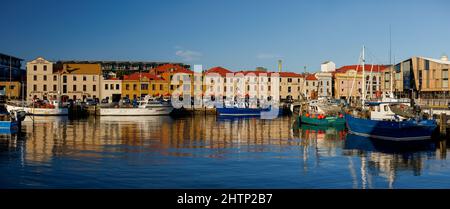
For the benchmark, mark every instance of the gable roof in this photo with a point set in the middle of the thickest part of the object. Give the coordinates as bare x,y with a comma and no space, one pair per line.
171,68
311,77
220,70
368,68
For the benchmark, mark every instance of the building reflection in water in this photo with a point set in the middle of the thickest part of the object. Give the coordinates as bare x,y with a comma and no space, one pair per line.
50,137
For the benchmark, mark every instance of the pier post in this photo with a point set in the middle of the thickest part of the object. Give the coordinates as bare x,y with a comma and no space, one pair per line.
443,124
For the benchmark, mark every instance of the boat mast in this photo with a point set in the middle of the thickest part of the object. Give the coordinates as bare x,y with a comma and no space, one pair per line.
363,76
9,87
390,63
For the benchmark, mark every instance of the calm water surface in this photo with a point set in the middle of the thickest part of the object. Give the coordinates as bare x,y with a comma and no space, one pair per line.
210,152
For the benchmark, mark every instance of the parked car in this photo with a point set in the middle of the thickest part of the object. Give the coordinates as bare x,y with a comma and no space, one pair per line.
105,101
91,102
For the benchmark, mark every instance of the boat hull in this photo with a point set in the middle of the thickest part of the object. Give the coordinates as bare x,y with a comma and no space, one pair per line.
409,130
329,121
9,127
135,111
40,111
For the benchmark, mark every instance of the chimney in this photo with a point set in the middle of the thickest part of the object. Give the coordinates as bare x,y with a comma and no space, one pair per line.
444,57
279,66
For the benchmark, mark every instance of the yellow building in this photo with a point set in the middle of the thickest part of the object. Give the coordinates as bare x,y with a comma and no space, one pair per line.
12,90
139,85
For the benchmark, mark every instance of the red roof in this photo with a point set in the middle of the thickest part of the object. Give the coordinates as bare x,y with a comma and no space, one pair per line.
256,73
220,70
375,68
170,68
290,74
136,76
112,79
183,70
311,77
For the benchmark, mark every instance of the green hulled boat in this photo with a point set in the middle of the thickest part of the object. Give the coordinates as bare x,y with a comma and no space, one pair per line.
326,121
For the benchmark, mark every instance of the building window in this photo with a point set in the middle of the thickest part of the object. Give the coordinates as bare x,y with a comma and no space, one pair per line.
45,87
445,78
84,88
144,86
84,78
45,77
45,67
65,79
160,87
74,88
94,88
54,87
427,64
117,87
127,87
106,86
289,89
74,78
35,77
111,86
64,89
35,67
134,86
55,78
34,87
153,87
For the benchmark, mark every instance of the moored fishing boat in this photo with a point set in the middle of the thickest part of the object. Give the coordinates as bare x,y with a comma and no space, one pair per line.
40,109
146,107
406,130
322,120
10,123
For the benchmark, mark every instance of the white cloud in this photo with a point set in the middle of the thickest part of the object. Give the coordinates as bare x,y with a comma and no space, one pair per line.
263,56
188,55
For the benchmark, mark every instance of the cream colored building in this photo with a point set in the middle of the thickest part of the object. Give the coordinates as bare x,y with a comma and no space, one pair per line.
290,85
111,89
325,84
47,80
311,86
42,83
348,81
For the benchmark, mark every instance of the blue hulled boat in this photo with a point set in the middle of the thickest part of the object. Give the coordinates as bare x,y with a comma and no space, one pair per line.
9,127
406,130
10,123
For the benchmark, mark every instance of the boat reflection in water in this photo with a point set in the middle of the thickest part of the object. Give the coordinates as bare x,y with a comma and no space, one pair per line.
386,159
208,152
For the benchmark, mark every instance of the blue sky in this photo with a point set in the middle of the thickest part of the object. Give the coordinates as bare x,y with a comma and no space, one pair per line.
234,34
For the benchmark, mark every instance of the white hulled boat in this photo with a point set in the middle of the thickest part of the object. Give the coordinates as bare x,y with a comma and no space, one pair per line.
52,108
146,107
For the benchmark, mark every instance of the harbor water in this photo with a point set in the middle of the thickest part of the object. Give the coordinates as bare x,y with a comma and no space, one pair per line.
211,152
